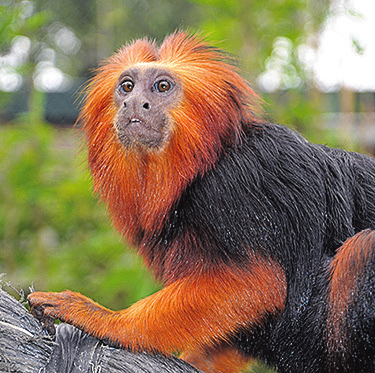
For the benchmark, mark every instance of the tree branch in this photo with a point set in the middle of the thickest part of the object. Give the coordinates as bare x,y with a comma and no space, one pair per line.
26,347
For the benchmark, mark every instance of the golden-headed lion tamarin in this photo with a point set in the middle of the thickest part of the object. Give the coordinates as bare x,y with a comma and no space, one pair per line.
240,219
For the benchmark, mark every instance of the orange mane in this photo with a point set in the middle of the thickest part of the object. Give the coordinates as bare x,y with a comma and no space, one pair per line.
141,188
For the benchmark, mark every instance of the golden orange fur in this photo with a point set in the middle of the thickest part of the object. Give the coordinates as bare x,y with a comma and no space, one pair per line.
175,318
147,184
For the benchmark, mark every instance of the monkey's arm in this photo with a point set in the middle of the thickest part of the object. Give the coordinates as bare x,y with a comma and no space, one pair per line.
25,347
189,314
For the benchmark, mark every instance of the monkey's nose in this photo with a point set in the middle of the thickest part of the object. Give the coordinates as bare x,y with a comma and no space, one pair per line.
146,105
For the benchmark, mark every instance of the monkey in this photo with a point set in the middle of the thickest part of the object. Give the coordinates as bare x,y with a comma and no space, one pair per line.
263,241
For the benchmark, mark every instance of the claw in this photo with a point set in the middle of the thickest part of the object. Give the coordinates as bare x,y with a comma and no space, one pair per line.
49,325
37,312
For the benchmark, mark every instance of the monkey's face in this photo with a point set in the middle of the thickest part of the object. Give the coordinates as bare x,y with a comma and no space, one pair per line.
143,98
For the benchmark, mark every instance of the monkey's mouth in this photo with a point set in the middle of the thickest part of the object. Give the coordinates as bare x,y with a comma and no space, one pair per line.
138,132
139,127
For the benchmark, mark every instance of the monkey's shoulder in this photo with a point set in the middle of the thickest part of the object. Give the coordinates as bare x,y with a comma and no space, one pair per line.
277,184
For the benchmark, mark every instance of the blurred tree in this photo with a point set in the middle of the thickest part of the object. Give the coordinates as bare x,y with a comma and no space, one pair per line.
250,28
84,32
270,40
17,52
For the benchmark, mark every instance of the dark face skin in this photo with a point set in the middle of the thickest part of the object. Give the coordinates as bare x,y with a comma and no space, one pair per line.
143,97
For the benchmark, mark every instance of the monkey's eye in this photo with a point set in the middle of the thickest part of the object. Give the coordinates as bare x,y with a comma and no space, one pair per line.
127,86
162,86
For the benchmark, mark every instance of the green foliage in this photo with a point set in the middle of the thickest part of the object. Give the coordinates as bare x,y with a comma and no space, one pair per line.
52,230
252,30
15,20
248,28
18,20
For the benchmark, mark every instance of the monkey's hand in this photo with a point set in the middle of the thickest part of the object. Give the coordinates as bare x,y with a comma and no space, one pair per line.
65,306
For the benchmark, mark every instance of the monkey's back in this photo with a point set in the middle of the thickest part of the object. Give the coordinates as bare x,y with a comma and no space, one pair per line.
278,194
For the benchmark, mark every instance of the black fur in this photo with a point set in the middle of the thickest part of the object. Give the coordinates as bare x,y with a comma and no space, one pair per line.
297,202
